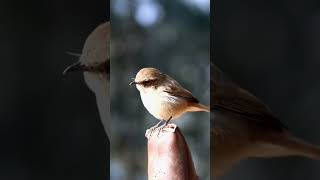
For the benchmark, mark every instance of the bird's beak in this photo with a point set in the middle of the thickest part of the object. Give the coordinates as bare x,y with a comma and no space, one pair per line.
133,82
74,67
73,54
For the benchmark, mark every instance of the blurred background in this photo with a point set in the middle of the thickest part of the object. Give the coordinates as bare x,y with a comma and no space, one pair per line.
49,126
172,36
271,48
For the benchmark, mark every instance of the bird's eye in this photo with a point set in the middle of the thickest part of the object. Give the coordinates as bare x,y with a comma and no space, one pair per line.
148,82
145,83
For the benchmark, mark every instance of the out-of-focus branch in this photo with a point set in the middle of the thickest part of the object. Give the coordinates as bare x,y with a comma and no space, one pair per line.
169,157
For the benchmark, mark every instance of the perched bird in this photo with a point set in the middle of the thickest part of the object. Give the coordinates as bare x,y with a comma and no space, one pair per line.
242,126
94,62
163,96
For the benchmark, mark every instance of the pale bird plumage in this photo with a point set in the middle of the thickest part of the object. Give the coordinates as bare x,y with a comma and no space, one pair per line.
163,96
95,52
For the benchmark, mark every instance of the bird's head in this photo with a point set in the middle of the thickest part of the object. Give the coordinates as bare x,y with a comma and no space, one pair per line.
95,56
94,61
148,78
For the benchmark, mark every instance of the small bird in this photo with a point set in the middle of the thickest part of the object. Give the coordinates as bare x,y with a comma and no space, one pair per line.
95,64
242,126
164,97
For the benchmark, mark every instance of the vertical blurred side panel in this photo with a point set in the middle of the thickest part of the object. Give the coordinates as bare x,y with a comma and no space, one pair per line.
268,54
52,126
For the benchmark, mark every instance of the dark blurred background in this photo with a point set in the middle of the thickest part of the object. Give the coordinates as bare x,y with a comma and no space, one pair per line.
49,126
172,36
271,48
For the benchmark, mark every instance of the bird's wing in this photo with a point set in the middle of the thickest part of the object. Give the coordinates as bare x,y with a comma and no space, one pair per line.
227,96
175,89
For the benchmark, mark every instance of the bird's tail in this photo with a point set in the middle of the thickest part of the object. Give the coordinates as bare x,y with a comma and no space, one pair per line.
298,147
199,107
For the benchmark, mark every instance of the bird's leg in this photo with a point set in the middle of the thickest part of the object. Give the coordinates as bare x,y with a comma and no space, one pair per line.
154,127
157,125
164,125
167,121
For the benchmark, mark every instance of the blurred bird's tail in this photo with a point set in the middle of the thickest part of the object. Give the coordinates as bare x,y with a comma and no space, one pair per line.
303,148
199,107
296,147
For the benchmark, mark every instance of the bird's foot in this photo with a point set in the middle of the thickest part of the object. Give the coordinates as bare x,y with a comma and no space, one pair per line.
164,125
150,131
160,128
167,128
171,128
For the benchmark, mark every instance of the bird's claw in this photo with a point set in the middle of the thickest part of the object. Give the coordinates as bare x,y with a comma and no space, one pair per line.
165,127
150,131
160,128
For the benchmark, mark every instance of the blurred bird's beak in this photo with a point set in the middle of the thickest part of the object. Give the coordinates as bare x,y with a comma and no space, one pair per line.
73,54
74,67
133,82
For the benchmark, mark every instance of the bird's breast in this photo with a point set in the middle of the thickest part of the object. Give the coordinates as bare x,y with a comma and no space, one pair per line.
163,106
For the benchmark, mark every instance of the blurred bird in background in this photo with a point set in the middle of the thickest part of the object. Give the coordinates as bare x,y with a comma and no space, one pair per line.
242,126
94,62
